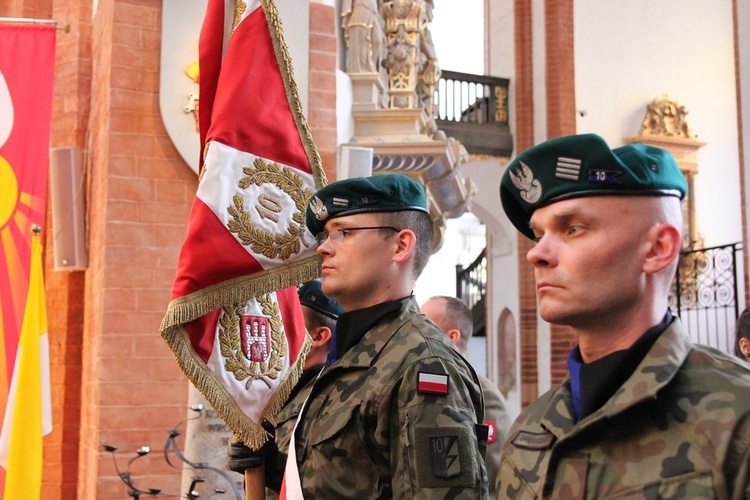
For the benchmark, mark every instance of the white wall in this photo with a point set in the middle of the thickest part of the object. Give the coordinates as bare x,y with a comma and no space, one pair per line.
502,265
743,14
457,30
628,53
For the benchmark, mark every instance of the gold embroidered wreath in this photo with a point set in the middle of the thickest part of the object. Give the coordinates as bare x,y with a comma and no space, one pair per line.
271,245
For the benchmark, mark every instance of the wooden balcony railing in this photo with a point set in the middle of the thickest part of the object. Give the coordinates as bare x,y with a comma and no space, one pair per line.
474,110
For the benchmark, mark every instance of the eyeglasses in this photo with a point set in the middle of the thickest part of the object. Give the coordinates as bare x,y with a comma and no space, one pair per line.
338,234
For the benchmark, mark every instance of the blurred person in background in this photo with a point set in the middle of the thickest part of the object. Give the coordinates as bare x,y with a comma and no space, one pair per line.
454,317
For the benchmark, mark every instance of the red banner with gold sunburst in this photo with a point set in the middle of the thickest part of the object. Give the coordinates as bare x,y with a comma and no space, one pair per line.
27,61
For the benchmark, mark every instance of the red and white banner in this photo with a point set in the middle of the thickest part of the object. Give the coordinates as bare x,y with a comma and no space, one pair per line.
234,321
27,62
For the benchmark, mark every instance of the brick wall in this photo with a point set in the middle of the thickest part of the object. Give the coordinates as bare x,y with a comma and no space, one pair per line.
561,120
322,91
524,134
140,193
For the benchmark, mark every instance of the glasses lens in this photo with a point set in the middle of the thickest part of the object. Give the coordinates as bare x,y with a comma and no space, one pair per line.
321,237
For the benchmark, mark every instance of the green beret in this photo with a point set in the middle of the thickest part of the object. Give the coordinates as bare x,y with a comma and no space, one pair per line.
583,165
379,193
311,295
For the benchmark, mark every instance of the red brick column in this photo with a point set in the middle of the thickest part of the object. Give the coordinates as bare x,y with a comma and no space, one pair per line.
65,289
561,120
524,91
322,91
560,62
139,193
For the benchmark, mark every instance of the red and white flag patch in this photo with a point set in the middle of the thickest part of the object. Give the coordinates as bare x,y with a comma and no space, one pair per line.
492,434
432,383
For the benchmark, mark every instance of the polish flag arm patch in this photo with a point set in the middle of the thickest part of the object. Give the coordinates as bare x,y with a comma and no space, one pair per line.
432,383
493,431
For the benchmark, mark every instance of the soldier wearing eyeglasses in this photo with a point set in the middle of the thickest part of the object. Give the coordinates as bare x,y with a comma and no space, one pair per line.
397,412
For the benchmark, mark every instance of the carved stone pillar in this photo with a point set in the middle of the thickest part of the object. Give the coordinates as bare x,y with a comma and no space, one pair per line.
665,126
404,22
401,129
367,89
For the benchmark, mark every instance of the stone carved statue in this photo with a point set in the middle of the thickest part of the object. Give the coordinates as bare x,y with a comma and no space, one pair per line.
363,33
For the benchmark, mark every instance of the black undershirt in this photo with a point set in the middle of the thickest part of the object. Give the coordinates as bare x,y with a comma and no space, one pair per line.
597,382
352,326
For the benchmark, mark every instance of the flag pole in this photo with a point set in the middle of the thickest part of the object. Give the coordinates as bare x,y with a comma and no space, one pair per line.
255,483
27,20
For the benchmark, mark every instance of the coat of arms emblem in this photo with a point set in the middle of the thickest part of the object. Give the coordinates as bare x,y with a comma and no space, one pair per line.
255,332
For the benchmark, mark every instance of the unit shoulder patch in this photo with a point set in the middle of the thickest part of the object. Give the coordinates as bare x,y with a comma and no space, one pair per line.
446,456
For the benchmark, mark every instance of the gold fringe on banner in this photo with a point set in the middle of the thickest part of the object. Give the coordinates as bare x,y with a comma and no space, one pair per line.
292,91
249,432
239,291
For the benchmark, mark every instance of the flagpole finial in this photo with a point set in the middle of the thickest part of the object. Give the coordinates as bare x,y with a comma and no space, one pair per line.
36,229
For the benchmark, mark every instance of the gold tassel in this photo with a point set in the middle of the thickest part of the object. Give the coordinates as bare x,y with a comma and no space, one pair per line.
292,91
239,291
245,429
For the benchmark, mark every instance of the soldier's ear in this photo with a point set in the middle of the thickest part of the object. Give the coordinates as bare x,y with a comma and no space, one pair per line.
321,336
664,246
745,347
405,241
454,335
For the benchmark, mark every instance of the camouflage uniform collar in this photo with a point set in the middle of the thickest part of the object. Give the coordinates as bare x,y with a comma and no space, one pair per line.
656,370
352,327
594,383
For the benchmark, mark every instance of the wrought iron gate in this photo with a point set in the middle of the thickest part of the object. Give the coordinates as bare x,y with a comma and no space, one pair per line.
704,295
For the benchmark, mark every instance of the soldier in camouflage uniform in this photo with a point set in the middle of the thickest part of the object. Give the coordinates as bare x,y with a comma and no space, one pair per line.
321,313
395,413
644,412
454,318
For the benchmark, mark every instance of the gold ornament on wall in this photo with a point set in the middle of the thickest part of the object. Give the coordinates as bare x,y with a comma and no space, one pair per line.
666,117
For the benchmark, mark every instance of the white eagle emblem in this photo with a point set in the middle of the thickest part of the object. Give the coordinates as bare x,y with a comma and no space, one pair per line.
523,179
318,208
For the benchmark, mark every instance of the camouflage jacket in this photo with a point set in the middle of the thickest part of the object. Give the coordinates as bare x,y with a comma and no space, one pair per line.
370,429
285,422
679,427
497,416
